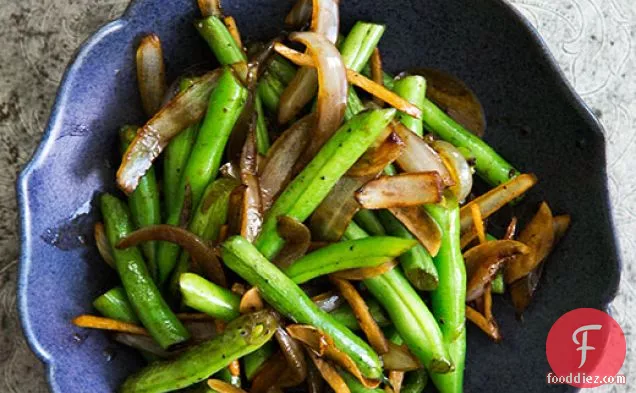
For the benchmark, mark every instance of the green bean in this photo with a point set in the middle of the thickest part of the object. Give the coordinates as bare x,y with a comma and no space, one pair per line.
490,166
209,217
347,255
269,90
387,79
175,158
114,304
354,104
142,292
354,385
417,263
207,297
262,136
288,299
358,47
344,314
413,89
216,34
498,285
370,222
415,381
282,68
143,202
311,186
253,361
412,319
226,104
240,337
448,300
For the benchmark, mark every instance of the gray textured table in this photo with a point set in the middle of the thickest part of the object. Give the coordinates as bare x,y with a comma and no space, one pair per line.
594,41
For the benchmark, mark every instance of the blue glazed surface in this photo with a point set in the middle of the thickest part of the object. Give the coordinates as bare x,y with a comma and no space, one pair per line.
534,119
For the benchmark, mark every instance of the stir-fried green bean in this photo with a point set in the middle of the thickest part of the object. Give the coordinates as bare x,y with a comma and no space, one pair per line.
415,381
216,34
226,104
413,89
312,185
370,222
142,292
114,304
288,299
344,314
240,337
207,297
143,202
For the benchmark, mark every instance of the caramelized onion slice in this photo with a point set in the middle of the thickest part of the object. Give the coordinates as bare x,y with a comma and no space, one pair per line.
377,158
402,190
297,240
103,246
362,273
329,373
399,358
421,225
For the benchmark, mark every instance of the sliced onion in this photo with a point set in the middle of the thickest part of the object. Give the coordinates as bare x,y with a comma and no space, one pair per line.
277,169
151,73
539,236
399,358
361,311
561,225
184,110
230,23
220,386
362,273
421,225
101,323
299,15
103,246
496,198
458,168
489,327
235,210
230,171
376,72
328,301
330,220
203,255
511,230
323,345
269,374
479,223
295,357
251,301
332,88
403,190
329,373
315,383
418,156
376,159
297,240
210,7
252,212
395,381
326,19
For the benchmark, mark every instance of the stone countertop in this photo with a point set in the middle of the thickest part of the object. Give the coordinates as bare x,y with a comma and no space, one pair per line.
594,41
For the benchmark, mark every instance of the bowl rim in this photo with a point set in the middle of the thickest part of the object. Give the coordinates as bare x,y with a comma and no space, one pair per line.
131,12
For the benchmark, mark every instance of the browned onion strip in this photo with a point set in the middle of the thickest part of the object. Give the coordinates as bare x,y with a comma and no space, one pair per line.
421,225
329,374
328,301
299,15
375,159
561,224
399,358
511,229
252,211
355,79
539,236
323,345
484,261
395,380
363,273
230,171
496,198
330,220
295,357
297,240
315,383
332,87
457,166
182,111
95,322
491,329
269,374
223,387
151,73
103,246
479,223
251,301
210,7
361,311
325,19
488,303
230,23
277,169
402,190
235,210
418,156
376,72
203,255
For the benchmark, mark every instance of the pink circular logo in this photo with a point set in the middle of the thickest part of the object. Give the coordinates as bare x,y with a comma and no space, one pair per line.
585,348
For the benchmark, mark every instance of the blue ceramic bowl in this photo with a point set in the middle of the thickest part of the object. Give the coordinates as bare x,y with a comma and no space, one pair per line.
534,119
